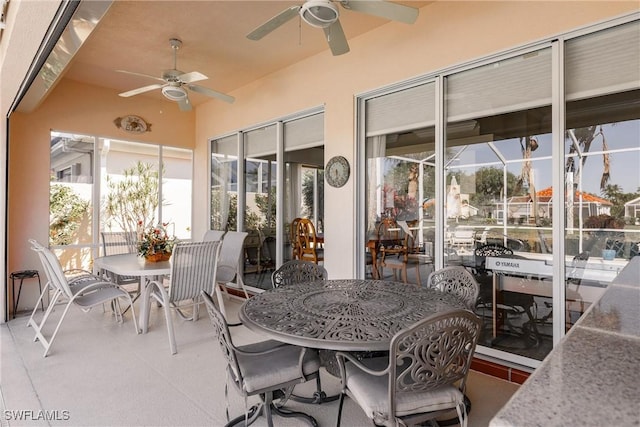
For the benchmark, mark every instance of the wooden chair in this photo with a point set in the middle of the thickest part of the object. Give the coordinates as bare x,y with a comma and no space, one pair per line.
308,245
399,253
293,238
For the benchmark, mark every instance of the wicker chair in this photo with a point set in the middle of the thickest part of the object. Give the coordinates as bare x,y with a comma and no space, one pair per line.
269,369
193,269
423,377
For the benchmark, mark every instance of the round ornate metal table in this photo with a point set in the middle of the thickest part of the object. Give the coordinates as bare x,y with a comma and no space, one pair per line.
348,315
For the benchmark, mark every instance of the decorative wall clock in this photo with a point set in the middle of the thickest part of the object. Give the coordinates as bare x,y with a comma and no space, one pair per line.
132,124
337,171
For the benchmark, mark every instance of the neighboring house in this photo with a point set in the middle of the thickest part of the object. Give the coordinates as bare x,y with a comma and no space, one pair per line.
632,209
522,206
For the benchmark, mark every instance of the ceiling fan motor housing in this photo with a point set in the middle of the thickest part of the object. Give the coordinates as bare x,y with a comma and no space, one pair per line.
319,13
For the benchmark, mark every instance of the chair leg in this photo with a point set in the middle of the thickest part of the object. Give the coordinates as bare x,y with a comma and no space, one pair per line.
38,326
268,399
172,337
244,289
340,409
220,300
47,286
47,344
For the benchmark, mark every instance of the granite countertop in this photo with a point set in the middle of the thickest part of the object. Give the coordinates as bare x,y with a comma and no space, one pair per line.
592,378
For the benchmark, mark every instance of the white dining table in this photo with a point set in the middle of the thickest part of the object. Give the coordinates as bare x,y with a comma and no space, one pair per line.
132,265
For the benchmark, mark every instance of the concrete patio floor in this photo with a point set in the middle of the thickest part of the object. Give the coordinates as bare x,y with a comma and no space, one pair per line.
100,373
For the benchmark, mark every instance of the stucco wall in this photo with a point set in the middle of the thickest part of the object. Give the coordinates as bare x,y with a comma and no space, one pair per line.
82,109
446,33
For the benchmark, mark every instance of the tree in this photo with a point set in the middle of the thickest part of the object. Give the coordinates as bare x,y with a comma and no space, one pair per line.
132,201
613,192
267,206
489,186
581,139
307,192
66,211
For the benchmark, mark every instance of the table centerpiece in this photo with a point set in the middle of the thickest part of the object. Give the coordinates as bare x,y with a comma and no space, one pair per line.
155,243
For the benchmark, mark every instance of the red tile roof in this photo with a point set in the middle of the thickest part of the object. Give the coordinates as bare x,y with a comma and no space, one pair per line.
587,197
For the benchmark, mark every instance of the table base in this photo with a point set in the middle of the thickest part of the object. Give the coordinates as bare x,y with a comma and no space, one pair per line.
256,410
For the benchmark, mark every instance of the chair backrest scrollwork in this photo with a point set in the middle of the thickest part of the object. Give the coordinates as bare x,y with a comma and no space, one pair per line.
295,272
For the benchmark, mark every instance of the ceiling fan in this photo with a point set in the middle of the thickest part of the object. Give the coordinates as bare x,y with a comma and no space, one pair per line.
174,83
324,14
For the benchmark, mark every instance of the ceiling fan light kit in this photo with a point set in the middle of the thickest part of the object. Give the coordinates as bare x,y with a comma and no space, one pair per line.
174,93
319,13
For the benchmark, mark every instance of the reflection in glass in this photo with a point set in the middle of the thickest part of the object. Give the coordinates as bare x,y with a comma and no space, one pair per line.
71,197
497,164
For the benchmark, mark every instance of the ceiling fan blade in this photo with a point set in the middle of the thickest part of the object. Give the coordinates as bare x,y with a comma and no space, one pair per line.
140,90
191,77
212,93
184,104
336,39
274,23
140,74
383,9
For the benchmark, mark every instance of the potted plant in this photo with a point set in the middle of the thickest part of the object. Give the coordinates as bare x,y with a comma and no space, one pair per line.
155,243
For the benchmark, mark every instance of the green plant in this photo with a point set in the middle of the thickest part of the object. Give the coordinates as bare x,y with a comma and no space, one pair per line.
133,198
66,212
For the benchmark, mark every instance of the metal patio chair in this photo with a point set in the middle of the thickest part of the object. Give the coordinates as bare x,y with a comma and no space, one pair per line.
423,377
456,280
269,369
295,271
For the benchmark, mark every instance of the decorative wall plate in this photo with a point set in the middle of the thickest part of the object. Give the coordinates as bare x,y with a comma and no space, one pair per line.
337,171
132,124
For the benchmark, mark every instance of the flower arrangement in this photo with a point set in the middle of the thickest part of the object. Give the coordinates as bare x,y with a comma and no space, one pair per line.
155,243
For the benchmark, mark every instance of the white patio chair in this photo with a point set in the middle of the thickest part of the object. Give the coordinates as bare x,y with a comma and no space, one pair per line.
85,293
229,264
193,269
424,375
117,243
213,235
270,369
463,238
77,279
